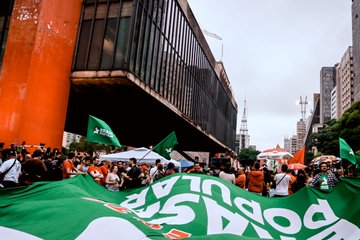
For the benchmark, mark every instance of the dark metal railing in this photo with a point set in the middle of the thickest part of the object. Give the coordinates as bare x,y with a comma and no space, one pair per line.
161,49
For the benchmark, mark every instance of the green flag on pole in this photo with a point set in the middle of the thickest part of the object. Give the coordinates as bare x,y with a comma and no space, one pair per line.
99,132
166,146
346,151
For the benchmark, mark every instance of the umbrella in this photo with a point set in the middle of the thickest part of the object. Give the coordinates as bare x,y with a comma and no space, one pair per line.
296,166
186,163
324,158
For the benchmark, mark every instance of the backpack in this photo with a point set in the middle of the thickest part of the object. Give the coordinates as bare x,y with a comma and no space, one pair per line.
158,175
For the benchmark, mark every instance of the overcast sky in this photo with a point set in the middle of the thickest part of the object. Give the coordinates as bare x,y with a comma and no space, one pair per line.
273,53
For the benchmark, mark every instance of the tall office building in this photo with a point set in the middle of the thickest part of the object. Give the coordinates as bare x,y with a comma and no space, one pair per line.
300,132
287,144
346,77
294,141
342,95
334,103
69,138
335,94
327,83
356,46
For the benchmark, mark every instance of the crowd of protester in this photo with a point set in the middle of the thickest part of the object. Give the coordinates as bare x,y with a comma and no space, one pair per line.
22,168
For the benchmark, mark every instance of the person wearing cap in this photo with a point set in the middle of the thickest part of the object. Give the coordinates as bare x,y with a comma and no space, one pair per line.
12,167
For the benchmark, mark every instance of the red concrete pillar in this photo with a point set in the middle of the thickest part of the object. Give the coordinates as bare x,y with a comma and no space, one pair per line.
34,82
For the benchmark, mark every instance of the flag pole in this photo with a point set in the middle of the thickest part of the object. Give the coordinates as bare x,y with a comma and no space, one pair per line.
154,147
145,155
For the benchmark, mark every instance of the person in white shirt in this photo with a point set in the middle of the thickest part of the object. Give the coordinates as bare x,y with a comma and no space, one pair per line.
13,168
282,182
153,170
112,179
226,175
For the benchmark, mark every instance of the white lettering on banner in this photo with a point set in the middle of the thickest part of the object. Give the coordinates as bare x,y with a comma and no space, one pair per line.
343,229
225,192
222,220
294,220
287,238
105,132
183,214
261,232
194,183
216,213
149,211
255,206
163,188
137,199
324,208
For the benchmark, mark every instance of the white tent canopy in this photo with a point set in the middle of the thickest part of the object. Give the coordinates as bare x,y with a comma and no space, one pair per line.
142,155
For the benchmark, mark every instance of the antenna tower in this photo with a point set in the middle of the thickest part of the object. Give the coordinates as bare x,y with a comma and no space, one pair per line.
243,129
303,107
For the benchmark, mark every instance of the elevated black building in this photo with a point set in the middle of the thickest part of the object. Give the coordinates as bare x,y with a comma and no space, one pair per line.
146,69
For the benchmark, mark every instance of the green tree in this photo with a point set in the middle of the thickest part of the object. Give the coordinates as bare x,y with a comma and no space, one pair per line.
347,127
85,146
247,156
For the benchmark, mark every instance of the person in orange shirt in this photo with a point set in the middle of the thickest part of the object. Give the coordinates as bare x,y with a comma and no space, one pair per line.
69,170
255,180
291,173
240,181
95,171
104,169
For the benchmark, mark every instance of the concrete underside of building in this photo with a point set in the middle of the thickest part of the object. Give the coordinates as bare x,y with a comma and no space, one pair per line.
137,115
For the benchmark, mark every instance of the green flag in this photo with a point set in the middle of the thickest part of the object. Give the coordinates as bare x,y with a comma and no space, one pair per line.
166,146
346,151
99,132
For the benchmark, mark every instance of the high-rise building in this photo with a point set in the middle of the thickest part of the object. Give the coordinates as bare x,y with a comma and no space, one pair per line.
293,144
335,94
327,83
356,46
316,99
342,95
300,132
237,143
69,138
334,103
287,144
346,77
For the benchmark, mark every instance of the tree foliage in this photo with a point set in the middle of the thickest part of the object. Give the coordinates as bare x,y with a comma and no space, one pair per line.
85,146
347,127
247,156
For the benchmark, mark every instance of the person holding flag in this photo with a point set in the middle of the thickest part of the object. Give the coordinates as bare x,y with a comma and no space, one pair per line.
99,132
326,179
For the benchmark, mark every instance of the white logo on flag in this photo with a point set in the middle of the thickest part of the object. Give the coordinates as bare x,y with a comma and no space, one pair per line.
351,151
96,131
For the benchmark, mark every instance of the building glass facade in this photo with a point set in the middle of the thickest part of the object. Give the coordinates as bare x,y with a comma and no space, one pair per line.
327,83
153,40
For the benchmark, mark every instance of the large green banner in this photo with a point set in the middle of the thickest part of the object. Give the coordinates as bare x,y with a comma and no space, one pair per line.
176,207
